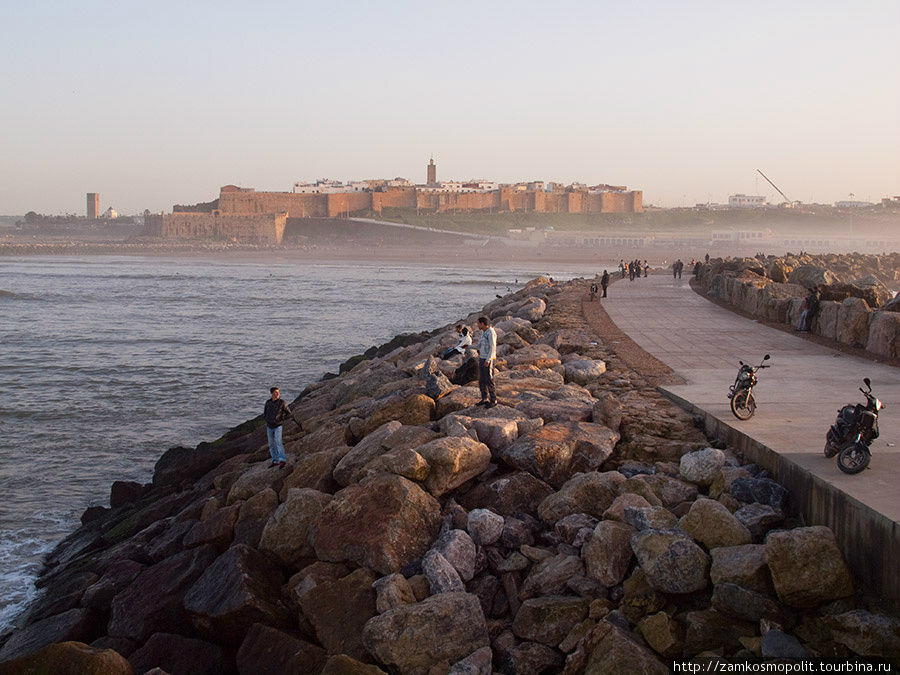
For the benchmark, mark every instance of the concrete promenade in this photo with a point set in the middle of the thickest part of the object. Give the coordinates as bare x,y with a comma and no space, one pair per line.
797,399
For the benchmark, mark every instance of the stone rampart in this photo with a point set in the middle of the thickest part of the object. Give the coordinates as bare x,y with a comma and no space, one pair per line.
234,200
259,229
849,320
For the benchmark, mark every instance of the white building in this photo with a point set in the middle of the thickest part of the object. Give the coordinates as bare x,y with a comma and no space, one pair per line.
327,186
852,205
746,201
111,213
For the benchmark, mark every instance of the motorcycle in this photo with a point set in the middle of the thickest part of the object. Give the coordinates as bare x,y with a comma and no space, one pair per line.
853,431
743,405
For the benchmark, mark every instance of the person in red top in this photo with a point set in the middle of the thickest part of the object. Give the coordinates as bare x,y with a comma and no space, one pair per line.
275,412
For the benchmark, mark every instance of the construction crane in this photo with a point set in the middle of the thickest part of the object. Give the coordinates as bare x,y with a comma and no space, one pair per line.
774,186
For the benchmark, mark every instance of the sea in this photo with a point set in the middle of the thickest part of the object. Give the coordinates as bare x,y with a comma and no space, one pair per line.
107,361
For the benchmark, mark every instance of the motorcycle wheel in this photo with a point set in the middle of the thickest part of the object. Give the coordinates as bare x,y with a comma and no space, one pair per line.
854,458
743,405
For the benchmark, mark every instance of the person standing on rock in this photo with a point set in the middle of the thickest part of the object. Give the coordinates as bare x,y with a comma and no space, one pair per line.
275,412
487,352
604,282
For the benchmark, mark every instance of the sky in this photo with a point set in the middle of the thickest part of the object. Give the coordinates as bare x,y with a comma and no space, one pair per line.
155,104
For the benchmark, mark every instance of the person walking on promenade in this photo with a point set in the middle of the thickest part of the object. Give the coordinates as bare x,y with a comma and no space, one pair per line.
604,282
622,267
646,269
487,352
275,412
675,270
680,267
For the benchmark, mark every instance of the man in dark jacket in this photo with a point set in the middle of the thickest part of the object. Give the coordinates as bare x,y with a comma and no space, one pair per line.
604,282
275,412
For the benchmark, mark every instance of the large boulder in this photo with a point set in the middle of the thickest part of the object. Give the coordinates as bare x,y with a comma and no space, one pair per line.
338,611
551,575
442,576
867,634
178,654
152,603
413,410
713,525
762,490
810,276
884,328
853,322
240,588
607,554
67,658
441,629
269,650
539,356
556,451
742,565
459,550
315,470
610,649
701,466
349,468
807,566
517,492
286,534
75,625
671,560
584,371
590,493
383,523
568,403
452,461
532,309
549,619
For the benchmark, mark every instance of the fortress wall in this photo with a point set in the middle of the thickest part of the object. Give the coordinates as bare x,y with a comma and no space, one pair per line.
260,229
394,198
348,202
295,205
238,201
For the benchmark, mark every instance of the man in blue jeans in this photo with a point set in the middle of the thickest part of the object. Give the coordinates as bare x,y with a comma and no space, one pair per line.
487,352
275,413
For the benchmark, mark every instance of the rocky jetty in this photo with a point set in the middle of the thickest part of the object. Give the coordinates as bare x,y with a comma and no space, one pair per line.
584,524
857,308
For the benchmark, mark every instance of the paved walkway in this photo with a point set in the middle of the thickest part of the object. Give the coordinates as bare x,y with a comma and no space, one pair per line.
797,398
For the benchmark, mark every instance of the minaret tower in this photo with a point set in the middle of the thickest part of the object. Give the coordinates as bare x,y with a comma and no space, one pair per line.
432,173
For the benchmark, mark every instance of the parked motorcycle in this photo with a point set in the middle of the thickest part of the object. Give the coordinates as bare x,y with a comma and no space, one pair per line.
853,431
743,405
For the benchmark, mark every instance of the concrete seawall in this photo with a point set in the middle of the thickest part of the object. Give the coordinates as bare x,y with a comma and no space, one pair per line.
797,399
869,540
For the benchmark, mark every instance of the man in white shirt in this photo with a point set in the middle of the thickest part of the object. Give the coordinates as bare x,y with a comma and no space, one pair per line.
465,339
487,352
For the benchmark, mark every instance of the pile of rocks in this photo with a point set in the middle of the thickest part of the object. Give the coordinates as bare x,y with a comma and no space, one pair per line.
857,305
583,525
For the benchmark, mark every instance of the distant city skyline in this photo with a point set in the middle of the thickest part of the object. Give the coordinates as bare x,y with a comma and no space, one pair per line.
682,101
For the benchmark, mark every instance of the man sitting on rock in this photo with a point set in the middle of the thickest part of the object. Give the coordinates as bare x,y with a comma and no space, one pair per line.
465,339
487,352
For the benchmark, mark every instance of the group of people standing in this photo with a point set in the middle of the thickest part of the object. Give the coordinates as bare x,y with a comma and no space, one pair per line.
276,412
633,269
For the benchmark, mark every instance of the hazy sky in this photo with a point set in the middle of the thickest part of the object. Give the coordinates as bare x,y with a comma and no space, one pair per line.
157,103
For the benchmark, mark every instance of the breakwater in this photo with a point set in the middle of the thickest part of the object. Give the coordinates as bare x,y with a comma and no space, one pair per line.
855,307
583,524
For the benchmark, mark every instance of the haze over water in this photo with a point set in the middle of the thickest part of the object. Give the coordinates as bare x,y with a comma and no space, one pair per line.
107,362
